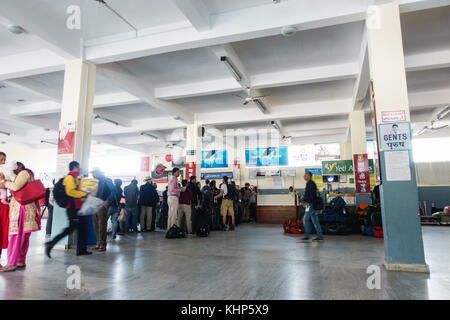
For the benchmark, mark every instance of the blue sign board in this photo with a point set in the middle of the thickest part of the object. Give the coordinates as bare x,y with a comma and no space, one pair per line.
314,171
267,157
216,175
214,159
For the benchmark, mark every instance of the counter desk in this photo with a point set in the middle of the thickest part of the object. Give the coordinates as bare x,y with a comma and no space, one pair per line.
276,208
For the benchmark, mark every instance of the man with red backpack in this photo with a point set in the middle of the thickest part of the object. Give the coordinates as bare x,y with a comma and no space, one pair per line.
73,201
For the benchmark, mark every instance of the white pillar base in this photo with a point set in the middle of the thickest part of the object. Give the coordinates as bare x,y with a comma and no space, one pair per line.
406,267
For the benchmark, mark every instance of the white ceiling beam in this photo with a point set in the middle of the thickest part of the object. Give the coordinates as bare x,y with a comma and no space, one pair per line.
196,12
122,78
30,63
113,141
335,138
36,87
316,125
427,60
427,99
120,120
362,83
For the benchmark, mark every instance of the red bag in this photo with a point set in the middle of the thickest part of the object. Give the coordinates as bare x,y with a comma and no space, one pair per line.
32,191
378,232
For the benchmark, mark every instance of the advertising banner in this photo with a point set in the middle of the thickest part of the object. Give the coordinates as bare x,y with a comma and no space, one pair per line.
214,159
66,143
190,170
267,157
161,167
329,151
395,136
302,155
145,164
362,176
316,177
341,167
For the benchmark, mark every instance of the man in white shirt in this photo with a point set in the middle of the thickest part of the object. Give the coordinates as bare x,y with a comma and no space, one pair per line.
227,193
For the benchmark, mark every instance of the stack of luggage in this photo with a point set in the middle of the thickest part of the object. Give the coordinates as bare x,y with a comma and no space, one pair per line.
370,220
335,219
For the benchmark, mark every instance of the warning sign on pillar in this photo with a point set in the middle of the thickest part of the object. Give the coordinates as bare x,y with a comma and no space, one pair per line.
362,174
190,170
66,143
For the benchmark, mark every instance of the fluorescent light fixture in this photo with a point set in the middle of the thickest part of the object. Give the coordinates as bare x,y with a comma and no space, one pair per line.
177,118
236,74
5,133
106,119
275,125
48,142
16,29
261,106
149,135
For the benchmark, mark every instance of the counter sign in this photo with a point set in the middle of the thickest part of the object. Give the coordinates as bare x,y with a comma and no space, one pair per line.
395,136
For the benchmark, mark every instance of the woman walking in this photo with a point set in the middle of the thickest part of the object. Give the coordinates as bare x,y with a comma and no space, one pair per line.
4,216
23,220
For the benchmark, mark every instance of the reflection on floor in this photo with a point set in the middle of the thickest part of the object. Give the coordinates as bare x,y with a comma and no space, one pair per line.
253,262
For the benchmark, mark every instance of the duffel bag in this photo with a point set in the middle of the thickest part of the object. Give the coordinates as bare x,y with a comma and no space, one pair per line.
175,232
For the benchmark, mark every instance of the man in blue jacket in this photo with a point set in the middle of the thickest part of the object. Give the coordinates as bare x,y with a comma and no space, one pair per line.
107,193
148,199
310,213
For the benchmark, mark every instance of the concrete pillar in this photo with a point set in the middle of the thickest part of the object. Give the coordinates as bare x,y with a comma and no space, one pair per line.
399,197
77,109
194,147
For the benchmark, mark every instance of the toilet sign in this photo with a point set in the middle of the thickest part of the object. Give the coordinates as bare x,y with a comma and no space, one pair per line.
395,136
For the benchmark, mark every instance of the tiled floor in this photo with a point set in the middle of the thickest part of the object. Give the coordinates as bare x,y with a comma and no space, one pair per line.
253,262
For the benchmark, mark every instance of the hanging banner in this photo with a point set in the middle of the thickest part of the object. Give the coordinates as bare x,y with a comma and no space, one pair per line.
216,175
214,159
302,155
267,157
362,176
145,164
190,170
329,151
66,144
395,136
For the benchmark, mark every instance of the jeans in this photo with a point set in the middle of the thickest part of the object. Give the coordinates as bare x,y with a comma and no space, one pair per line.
48,227
132,219
113,212
311,213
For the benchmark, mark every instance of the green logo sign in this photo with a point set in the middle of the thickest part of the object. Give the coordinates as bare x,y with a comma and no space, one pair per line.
344,167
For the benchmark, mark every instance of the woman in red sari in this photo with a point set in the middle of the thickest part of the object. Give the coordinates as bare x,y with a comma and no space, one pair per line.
4,217
23,220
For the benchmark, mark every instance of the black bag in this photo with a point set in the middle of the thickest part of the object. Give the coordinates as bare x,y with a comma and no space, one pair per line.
162,219
375,219
231,195
337,202
215,219
318,203
59,194
203,231
175,233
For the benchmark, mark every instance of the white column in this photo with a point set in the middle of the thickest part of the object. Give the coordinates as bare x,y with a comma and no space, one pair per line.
194,146
358,132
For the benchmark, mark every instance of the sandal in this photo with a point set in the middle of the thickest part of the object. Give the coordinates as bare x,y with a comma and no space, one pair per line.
21,266
8,269
102,249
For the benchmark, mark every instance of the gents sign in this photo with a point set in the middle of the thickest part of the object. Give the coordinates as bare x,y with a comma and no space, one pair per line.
395,136
341,167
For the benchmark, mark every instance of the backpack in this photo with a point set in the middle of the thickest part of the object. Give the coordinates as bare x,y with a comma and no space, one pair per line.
175,233
203,231
246,195
231,195
59,194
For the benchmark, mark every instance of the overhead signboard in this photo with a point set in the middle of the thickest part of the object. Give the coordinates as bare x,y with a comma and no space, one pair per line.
341,167
214,159
216,175
267,157
302,155
395,136
328,151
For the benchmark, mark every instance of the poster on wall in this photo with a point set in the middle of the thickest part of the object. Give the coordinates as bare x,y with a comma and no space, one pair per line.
316,176
328,151
395,136
267,157
361,169
190,170
397,166
145,164
162,164
216,175
66,144
302,155
214,159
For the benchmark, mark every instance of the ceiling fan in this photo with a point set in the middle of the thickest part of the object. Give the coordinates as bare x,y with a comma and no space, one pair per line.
249,97
434,123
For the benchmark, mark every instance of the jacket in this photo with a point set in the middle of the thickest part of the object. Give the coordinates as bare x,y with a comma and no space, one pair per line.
71,185
310,192
131,193
115,202
148,196
106,190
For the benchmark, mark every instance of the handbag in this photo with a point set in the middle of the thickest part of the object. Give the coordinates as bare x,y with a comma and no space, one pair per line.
122,215
32,191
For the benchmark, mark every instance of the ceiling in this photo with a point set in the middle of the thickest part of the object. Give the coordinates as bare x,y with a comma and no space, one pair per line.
168,71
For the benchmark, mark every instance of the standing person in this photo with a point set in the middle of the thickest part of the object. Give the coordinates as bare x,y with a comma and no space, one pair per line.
196,193
71,185
310,213
226,209
131,193
148,198
253,199
206,186
49,202
4,215
184,209
173,199
114,207
107,193
246,195
155,208
23,220
200,194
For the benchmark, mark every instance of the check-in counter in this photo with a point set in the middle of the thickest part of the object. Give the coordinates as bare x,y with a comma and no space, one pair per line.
275,208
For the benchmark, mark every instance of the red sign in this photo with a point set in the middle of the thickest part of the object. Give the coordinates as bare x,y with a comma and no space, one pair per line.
145,164
393,116
362,175
190,169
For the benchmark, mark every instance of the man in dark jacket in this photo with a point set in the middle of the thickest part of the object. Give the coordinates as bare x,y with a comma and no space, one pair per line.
197,194
148,199
114,208
310,213
131,193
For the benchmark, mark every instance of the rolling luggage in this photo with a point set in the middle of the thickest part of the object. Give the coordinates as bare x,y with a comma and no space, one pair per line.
202,228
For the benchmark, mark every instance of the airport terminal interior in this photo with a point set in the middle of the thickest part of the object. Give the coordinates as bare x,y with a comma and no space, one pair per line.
325,126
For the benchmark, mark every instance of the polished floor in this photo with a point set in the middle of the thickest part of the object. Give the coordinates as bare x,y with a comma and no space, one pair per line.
253,262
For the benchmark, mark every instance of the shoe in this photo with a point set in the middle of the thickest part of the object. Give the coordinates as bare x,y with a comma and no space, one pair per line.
317,240
231,228
48,249
101,249
86,253
305,240
21,267
113,238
